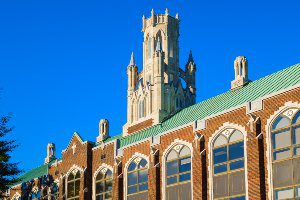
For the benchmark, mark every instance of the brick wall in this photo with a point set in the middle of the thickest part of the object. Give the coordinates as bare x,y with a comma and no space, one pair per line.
90,160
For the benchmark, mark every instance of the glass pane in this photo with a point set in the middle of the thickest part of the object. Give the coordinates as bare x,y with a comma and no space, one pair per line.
71,177
132,166
172,168
284,194
283,173
296,118
173,193
172,180
220,155
237,165
77,187
237,183
238,198
132,178
220,141
296,135
298,191
99,176
172,155
236,150
70,189
185,151
184,177
281,122
297,151
143,163
220,169
282,139
108,185
296,171
108,174
236,136
108,196
143,187
77,175
220,186
185,191
132,189
185,165
99,187
143,176
282,154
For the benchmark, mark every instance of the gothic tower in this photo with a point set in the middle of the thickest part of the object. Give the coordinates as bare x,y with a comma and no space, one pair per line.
157,92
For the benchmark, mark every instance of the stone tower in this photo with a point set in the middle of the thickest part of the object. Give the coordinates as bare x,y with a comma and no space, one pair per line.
157,92
240,72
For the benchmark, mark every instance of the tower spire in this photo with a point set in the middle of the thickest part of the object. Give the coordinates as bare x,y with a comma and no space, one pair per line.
191,59
132,61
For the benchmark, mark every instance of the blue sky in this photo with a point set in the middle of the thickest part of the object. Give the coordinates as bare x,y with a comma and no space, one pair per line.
63,63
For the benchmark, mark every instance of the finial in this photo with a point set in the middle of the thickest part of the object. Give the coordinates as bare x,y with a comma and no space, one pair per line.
152,12
167,12
132,61
177,16
191,59
143,17
158,45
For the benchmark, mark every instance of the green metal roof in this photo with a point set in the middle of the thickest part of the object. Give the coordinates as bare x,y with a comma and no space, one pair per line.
254,90
35,173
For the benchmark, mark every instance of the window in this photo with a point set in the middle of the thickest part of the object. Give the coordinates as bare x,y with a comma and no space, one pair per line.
178,173
149,49
285,136
104,185
137,179
73,185
142,108
228,166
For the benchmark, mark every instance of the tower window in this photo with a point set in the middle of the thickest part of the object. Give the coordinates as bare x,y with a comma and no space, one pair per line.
149,49
142,108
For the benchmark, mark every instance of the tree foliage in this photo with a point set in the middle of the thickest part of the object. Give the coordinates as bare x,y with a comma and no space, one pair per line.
8,170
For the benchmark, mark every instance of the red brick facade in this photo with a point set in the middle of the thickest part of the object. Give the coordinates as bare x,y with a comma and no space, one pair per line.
89,159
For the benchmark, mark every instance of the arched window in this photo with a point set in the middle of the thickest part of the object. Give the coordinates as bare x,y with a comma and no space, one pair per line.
104,185
228,165
141,108
73,185
148,48
285,135
137,179
35,193
178,173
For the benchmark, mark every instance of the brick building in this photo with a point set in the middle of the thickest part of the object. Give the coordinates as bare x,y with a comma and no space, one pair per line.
242,144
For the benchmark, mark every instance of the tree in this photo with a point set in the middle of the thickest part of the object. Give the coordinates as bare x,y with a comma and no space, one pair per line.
8,170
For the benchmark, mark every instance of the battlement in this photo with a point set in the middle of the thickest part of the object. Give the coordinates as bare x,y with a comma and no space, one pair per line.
153,20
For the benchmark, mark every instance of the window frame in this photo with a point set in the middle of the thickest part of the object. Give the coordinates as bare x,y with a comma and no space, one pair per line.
74,182
110,178
222,131
290,129
164,165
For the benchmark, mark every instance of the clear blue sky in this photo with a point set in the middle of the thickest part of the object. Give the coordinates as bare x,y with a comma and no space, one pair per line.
63,63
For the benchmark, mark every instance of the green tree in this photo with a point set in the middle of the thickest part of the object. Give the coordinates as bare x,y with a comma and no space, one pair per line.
8,170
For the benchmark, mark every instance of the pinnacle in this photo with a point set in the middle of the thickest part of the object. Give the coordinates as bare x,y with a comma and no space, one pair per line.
191,59
132,61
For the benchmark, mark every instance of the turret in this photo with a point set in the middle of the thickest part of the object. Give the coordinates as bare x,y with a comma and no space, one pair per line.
190,71
132,72
50,152
103,130
241,72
